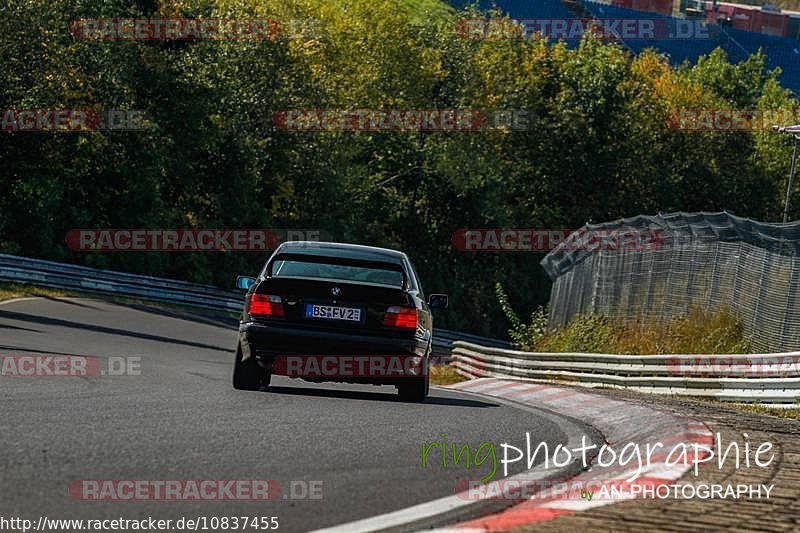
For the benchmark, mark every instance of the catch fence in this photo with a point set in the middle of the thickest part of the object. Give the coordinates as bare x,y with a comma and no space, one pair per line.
664,266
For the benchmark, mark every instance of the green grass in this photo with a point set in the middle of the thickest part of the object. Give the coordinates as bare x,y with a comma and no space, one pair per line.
699,332
445,375
792,413
10,291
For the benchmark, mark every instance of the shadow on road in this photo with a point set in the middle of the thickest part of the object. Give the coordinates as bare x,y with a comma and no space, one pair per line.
22,350
70,301
7,326
210,319
37,319
375,396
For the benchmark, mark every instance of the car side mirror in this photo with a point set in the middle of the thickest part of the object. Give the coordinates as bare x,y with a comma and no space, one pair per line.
245,282
437,301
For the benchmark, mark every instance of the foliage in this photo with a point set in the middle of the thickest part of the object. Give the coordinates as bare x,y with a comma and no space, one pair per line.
524,336
699,332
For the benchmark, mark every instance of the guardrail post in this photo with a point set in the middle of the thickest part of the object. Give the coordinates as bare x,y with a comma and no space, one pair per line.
690,292
762,292
651,266
585,282
737,281
668,281
791,301
596,279
634,286
712,291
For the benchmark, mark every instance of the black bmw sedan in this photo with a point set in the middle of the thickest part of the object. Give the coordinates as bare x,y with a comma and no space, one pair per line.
336,312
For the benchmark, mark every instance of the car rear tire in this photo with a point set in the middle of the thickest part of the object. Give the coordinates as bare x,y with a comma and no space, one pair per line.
416,389
413,390
248,375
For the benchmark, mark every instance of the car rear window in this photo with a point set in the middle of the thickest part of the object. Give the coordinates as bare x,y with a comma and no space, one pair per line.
319,270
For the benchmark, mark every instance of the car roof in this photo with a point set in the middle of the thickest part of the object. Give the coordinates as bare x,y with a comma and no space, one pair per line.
342,250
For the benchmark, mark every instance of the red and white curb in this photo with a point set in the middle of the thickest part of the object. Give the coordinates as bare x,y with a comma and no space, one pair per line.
461,500
620,422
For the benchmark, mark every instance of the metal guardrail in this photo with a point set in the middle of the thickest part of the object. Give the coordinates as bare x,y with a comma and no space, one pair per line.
766,379
443,343
16,269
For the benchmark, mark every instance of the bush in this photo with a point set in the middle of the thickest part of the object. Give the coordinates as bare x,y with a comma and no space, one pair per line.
524,336
586,333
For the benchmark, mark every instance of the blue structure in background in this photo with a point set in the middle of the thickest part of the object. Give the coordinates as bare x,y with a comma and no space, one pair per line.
781,52
522,9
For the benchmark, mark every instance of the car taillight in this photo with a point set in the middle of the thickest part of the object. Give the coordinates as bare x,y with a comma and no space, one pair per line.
401,317
265,305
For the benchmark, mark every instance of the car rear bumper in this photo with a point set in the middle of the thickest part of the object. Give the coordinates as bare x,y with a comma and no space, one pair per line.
268,343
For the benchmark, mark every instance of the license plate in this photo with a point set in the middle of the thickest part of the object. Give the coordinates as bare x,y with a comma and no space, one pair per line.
332,312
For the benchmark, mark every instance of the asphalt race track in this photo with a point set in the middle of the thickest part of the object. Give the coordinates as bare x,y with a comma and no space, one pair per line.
180,419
